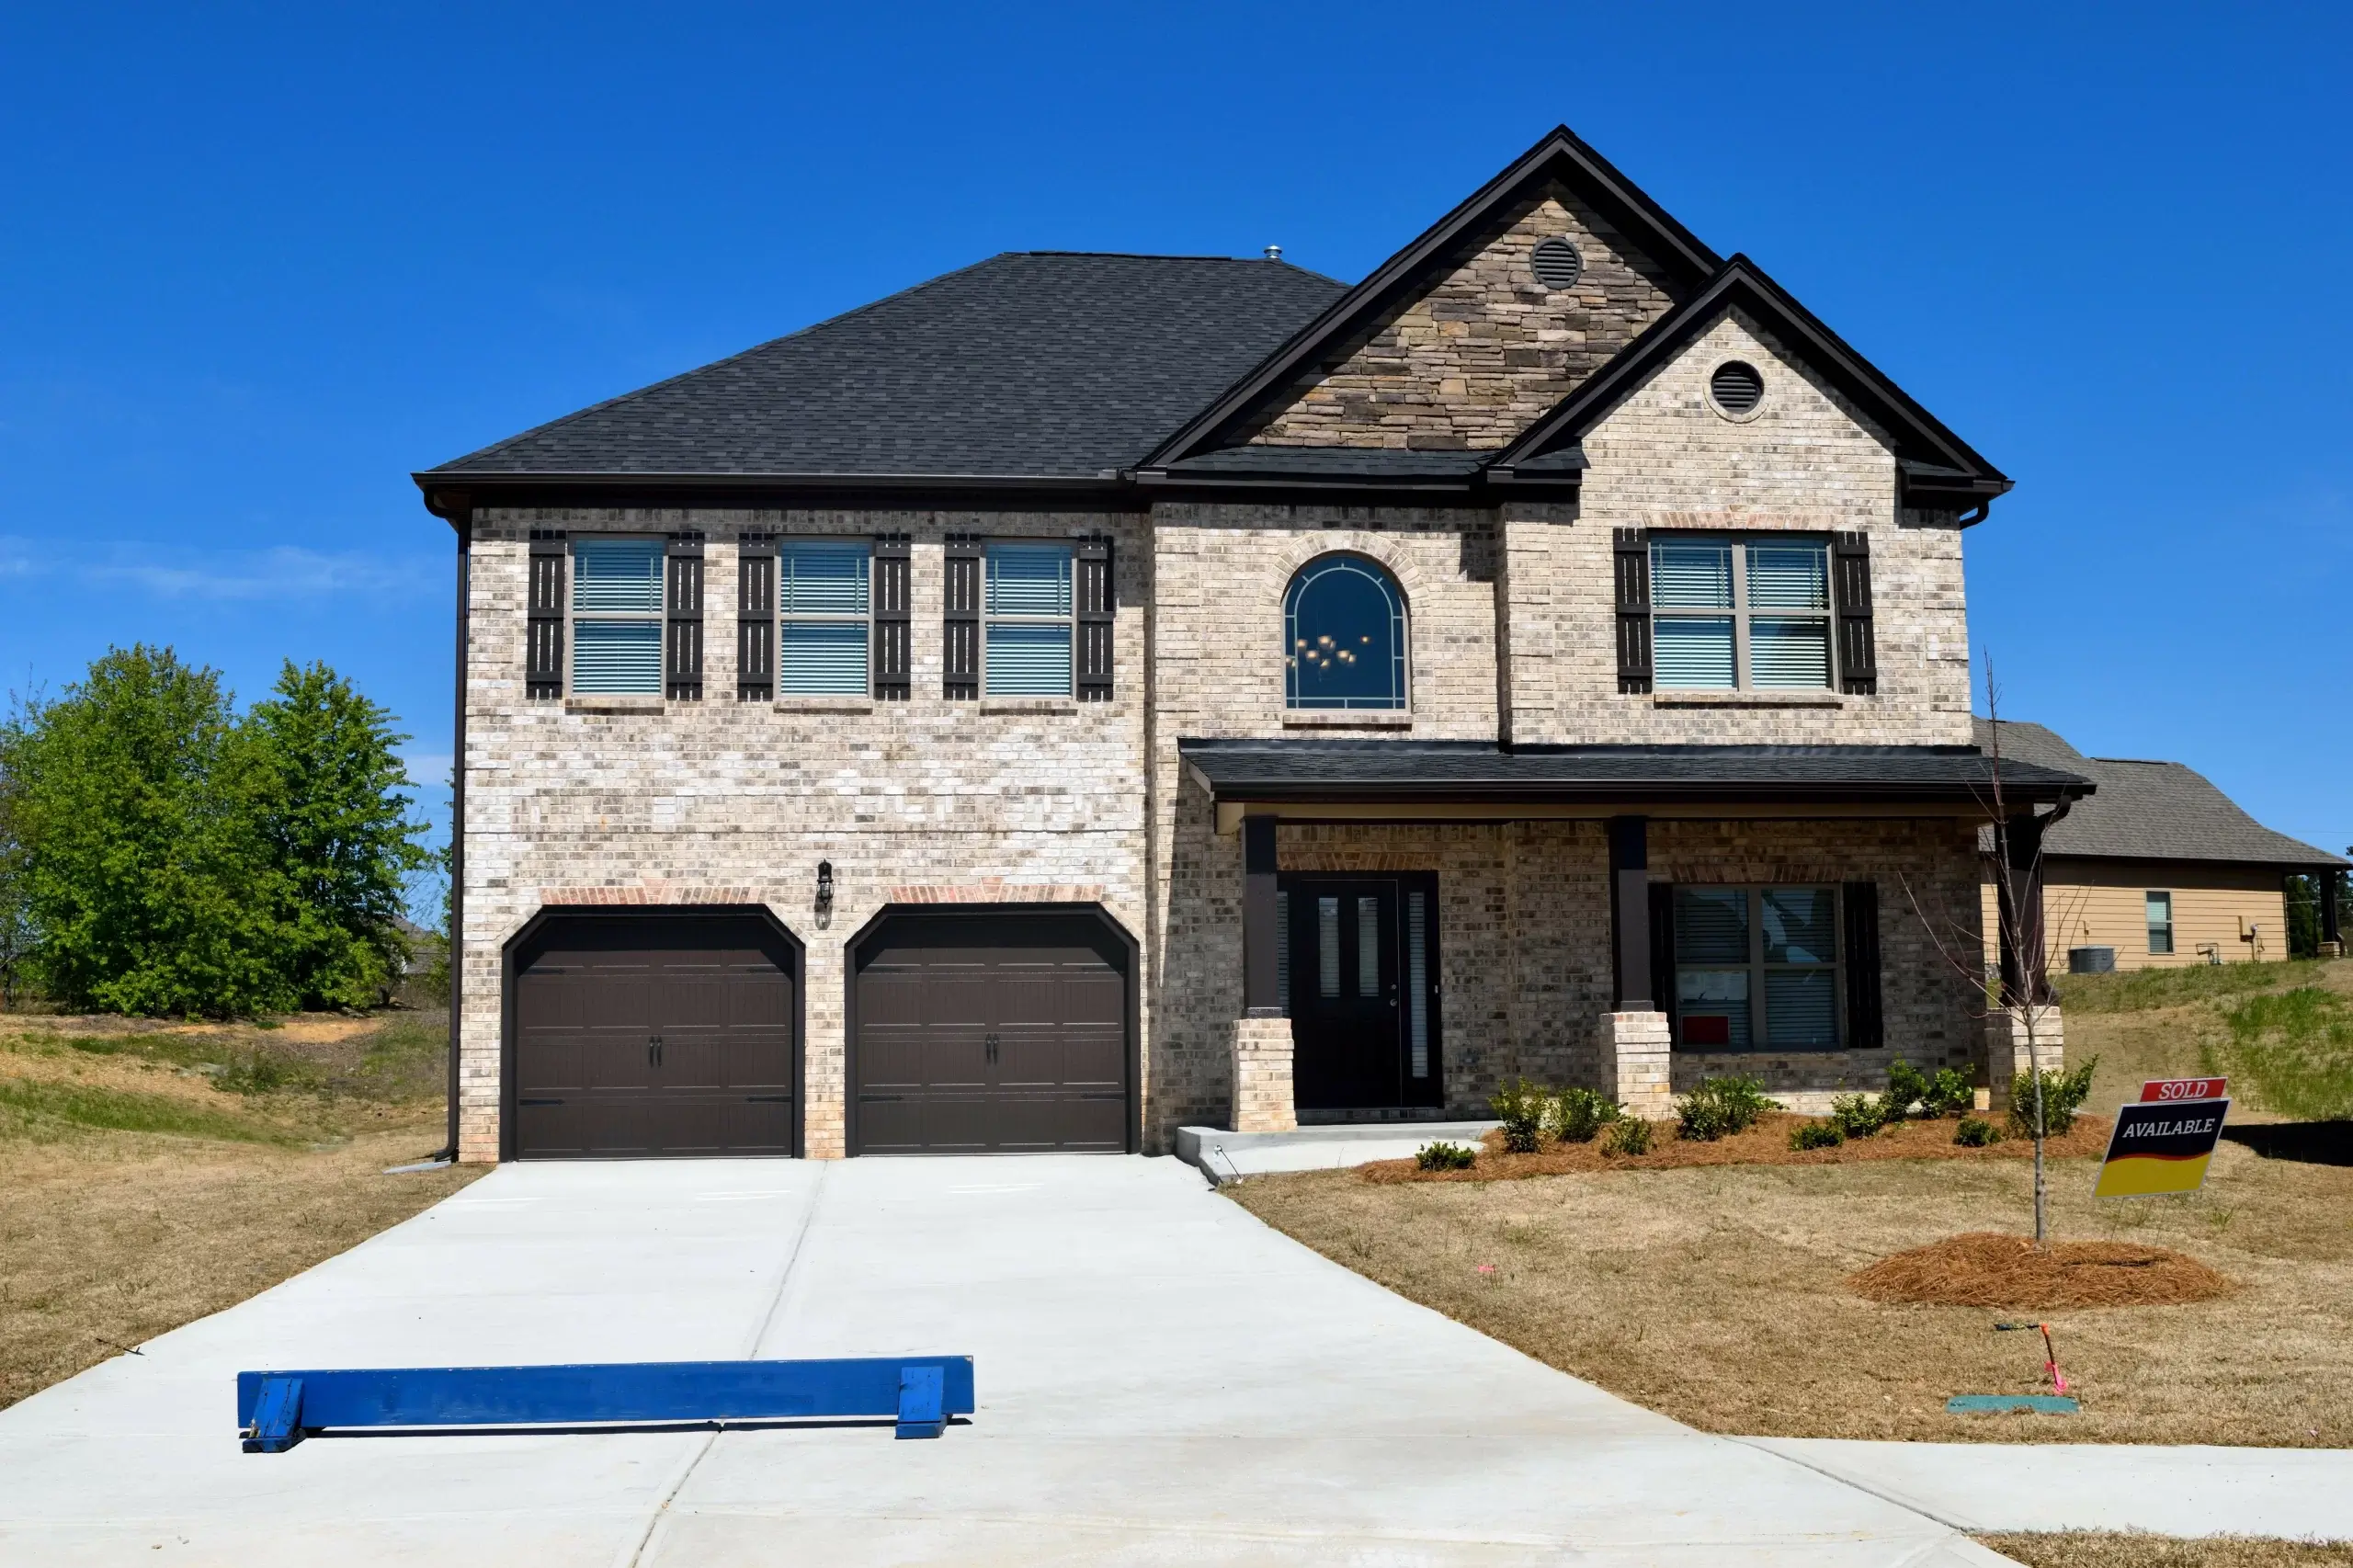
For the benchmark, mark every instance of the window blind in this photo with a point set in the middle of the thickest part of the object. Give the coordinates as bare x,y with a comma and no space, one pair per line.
1417,986
617,616
822,598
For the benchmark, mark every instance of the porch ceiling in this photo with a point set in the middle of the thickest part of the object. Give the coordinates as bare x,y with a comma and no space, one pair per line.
1471,781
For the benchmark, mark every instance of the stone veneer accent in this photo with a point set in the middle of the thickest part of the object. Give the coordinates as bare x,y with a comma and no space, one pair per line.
2005,1046
1639,1044
1262,1077
1483,353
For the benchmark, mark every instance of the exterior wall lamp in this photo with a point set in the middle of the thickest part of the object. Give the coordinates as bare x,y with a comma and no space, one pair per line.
825,887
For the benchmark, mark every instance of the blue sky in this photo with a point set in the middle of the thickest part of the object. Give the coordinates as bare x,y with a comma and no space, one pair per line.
259,263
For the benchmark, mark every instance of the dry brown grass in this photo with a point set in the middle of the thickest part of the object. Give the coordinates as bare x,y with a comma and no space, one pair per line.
1987,1269
136,1195
1717,1294
1765,1144
2122,1550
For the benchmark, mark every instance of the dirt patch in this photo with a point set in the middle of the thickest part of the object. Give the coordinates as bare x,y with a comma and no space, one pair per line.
1985,1268
2105,1549
1718,1294
1767,1143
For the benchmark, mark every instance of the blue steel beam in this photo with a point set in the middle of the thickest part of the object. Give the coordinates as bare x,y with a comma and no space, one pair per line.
276,1409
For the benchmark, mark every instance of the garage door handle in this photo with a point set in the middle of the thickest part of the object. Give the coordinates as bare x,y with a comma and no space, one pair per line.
654,1052
989,1041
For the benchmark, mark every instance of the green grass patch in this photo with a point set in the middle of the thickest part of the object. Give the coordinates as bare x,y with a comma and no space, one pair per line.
2294,1049
408,1058
118,1110
2139,990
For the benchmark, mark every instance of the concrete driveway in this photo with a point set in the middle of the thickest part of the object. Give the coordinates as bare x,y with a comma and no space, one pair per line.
1161,1378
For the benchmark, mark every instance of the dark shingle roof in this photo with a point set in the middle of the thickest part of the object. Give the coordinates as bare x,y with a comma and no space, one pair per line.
1027,365
1430,771
2148,811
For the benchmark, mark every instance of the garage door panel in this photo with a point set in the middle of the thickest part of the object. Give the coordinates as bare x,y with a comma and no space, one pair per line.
996,1033
654,1034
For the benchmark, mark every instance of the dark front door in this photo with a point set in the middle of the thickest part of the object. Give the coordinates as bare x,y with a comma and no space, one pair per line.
652,1033
991,1033
1360,979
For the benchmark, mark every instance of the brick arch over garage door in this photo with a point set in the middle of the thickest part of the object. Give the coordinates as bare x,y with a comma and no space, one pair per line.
644,1032
994,1029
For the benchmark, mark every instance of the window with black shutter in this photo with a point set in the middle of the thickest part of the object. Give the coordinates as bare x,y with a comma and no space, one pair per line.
1866,1028
543,646
683,646
893,665
1851,573
1631,550
756,619
960,619
1095,604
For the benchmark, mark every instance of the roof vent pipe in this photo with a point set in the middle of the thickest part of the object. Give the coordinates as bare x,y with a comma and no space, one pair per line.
1274,253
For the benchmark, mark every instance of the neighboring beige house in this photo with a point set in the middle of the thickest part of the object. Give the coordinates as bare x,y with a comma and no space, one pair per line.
1082,695
2159,864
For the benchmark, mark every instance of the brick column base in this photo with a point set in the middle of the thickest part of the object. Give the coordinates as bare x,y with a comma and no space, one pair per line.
1637,1045
2002,1045
1263,1101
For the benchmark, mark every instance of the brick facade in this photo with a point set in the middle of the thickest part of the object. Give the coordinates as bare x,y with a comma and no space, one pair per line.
931,801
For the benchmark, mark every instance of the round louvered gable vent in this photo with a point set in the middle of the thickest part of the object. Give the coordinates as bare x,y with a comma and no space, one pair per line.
1556,264
1737,387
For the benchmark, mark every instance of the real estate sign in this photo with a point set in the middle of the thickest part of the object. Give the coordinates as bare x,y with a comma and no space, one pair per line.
2163,1142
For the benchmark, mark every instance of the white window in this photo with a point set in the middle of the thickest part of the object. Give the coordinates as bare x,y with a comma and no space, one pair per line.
823,616
1026,611
1740,615
1756,968
617,617
2160,922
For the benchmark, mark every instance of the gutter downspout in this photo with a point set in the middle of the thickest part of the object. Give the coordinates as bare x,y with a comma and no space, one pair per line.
453,507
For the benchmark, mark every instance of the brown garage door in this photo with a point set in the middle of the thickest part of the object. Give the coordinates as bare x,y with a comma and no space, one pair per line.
647,1033
991,1033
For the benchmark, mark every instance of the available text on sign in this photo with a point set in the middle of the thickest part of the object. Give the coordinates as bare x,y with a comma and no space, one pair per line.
2163,1142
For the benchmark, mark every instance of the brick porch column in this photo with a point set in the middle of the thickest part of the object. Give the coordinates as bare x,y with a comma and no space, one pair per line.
1636,1038
2003,1038
1263,1098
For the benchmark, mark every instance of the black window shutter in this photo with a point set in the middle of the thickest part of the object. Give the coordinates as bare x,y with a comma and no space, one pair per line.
1850,574
1866,1030
893,679
756,619
1632,552
1095,602
960,641
683,646
1662,952
543,647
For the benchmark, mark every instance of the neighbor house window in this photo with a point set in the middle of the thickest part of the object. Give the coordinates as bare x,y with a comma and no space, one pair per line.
1344,636
617,617
1756,968
1026,607
823,617
1740,614
2160,922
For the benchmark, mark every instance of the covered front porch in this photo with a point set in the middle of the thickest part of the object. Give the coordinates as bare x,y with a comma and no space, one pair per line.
1420,922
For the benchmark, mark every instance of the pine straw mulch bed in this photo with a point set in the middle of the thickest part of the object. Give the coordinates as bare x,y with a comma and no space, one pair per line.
1767,1143
1985,1268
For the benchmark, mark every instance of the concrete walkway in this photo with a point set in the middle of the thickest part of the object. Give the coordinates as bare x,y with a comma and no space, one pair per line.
2301,1493
1161,1378
1225,1156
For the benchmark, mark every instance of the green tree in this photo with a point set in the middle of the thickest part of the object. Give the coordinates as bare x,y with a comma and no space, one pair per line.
335,819
132,799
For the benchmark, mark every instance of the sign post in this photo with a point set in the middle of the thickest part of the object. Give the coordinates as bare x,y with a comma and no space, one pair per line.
2164,1142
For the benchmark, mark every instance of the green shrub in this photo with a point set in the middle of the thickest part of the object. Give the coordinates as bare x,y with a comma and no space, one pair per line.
2063,1096
2294,1051
1721,1106
1444,1157
1976,1132
1816,1135
1579,1114
1949,1093
1520,1106
1858,1116
1906,1086
1628,1135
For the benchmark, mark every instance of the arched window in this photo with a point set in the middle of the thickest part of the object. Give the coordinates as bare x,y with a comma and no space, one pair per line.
1344,636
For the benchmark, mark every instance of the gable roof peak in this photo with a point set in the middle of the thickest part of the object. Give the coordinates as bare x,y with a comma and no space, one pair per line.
1561,156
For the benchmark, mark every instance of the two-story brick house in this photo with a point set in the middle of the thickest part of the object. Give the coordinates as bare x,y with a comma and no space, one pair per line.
1083,695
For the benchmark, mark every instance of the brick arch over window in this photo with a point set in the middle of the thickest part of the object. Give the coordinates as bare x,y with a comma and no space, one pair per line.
1347,638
